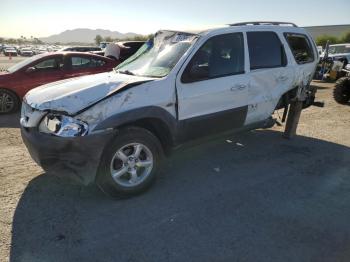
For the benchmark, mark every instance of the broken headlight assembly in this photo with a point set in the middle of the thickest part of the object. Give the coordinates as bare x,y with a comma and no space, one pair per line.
63,126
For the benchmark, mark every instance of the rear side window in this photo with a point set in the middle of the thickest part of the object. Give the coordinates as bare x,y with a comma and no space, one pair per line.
79,62
97,62
300,47
265,50
220,56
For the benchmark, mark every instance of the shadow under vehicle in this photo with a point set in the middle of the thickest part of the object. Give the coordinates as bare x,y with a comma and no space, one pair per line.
261,196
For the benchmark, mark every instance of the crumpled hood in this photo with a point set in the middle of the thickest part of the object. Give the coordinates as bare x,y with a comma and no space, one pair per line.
75,94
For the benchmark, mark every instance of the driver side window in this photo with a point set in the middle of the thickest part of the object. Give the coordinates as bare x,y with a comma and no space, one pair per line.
48,64
220,56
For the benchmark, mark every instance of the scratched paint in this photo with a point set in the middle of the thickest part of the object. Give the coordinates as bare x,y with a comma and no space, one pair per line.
72,95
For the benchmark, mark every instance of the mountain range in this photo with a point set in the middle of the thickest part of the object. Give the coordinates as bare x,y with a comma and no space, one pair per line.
84,35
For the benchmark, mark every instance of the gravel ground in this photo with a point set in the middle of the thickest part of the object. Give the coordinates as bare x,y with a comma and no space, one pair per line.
5,62
250,197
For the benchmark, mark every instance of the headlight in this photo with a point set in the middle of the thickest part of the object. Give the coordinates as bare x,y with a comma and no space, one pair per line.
64,126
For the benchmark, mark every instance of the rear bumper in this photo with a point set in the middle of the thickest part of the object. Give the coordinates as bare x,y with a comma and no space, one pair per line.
75,158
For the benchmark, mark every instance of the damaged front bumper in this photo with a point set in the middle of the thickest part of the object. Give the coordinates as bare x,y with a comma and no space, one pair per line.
76,158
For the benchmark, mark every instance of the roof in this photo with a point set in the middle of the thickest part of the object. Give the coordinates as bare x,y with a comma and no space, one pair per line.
262,24
265,23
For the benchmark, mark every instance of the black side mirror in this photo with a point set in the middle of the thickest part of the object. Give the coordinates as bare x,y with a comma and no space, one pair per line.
195,73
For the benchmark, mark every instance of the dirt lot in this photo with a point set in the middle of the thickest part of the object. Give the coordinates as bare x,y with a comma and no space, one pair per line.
5,62
254,197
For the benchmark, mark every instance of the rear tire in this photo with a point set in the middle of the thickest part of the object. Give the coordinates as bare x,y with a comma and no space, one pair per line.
9,101
129,164
341,92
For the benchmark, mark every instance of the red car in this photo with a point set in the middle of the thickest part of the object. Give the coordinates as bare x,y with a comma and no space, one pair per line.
38,70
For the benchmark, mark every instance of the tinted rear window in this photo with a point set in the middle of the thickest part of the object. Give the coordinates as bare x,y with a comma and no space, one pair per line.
300,47
265,50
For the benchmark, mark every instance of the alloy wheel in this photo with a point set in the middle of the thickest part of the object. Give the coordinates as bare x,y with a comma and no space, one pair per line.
7,102
131,165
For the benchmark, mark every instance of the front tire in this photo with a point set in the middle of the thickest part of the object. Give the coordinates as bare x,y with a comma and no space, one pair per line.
9,101
341,92
129,164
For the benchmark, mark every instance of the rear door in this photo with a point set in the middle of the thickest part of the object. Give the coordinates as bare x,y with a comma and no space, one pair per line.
79,65
270,74
212,87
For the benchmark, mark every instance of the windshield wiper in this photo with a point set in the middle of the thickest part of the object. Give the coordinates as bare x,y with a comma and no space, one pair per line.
151,76
126,72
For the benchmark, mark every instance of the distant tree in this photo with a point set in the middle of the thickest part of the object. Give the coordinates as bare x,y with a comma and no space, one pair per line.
108,39
142,37
346,38
322,40
11,41
98,39
37,41
2,39
139,38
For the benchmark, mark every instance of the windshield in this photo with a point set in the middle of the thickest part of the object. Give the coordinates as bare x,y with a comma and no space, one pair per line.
339,49
23,63
158,56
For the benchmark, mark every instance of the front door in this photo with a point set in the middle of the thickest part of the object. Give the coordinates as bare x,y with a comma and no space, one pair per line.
212,88
45,71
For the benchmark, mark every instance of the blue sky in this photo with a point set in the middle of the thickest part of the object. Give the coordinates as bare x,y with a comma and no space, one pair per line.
43,18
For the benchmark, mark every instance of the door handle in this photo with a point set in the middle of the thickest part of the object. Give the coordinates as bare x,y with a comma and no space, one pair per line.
238,87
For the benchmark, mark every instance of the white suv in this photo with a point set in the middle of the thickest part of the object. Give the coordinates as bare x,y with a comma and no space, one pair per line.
113,128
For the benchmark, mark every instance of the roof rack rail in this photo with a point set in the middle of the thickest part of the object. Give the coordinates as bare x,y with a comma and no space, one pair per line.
263,23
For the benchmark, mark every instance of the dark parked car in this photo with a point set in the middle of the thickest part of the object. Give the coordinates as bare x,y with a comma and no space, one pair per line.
82,49
10,51
38,70
121,51
91,49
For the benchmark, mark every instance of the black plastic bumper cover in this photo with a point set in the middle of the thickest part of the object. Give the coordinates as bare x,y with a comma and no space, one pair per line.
76,158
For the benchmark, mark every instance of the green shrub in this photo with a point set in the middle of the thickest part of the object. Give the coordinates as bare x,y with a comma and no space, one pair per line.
322,40
346,38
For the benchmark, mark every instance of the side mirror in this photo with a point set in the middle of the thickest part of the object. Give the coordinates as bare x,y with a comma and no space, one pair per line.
30,69
195,73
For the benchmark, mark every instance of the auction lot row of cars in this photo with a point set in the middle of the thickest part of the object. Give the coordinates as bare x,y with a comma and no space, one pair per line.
27,50
120,121
119,51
